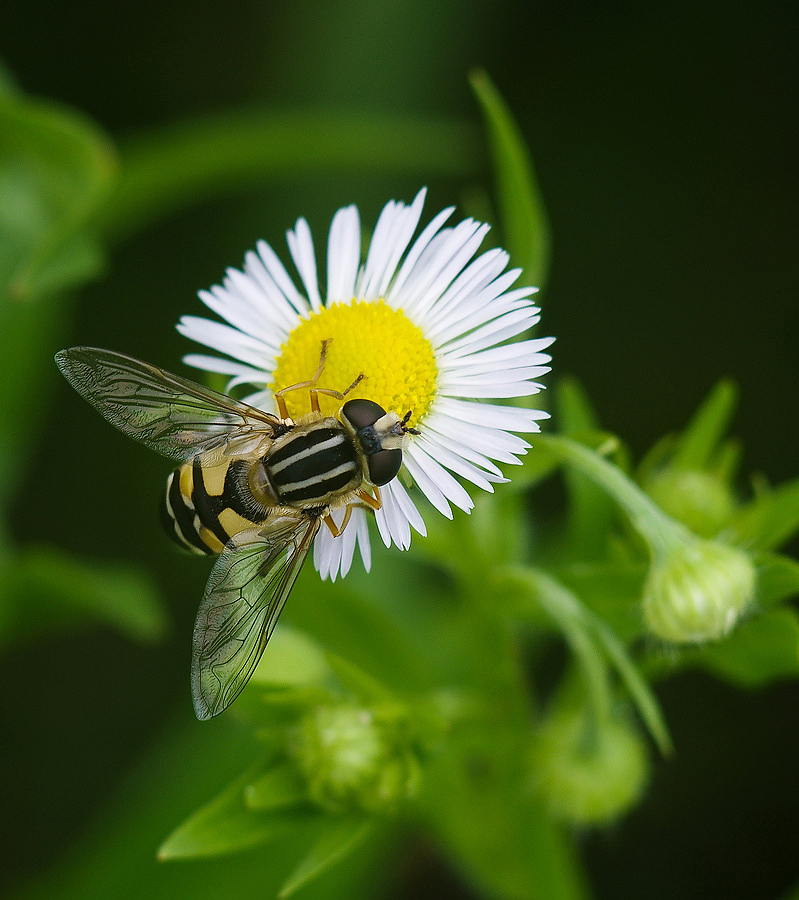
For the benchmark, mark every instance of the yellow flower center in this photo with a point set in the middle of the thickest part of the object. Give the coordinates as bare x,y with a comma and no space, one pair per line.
369,338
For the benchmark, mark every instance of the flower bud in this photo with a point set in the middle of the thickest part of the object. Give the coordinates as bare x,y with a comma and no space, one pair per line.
699,500
697,592
588,771
352,758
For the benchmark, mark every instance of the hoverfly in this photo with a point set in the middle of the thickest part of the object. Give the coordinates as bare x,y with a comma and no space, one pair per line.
252,487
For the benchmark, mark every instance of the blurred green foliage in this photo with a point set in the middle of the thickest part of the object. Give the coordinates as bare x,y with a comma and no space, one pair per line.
432,661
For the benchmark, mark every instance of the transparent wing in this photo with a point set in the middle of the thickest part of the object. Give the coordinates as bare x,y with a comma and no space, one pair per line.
245,595
172,415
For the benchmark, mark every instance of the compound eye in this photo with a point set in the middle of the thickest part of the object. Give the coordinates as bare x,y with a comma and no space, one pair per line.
384,465
362,413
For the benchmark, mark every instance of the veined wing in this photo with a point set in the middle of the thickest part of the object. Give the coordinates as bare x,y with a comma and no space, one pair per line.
245,595
172,415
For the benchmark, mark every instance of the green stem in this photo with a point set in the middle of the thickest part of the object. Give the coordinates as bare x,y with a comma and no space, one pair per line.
564,609
660,531
583,628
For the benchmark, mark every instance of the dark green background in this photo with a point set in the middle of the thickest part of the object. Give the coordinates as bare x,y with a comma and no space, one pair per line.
664,140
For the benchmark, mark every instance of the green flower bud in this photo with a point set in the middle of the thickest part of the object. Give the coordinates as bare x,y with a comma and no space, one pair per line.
353,758
699,500
697,591
588,772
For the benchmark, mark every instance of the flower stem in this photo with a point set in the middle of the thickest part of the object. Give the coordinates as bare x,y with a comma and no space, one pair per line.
660,531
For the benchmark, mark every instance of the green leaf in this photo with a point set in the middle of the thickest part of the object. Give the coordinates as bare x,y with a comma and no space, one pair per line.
698,443
575,412
777,578
611,589
338,839
524,219
587,634
169,169
763,650
55,169
294,659
43,589
566,612
661,532
591,511
637,686
498,835
769,520
227,823
364,686
280,787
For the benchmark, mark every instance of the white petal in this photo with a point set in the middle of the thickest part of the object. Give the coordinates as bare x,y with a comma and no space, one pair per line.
393,232
449,486
392,522
426,485
449,458
492,415
244,374
272,271
495,332
225,339
302,252
394,295
343,254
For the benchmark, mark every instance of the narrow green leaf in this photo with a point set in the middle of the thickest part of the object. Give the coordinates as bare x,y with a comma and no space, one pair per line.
575,619
763,650
364,686
497,835
280,787
338,839
294,659
566,611
55,168
226,824
173,168
777,578
591,511
660,531
612,590
769,520
44,589
524,219
575,412
699,440
637,686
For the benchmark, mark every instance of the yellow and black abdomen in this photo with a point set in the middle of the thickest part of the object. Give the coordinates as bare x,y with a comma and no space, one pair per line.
205,506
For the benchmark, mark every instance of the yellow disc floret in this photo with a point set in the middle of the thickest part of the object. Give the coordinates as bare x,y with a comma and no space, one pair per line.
364,338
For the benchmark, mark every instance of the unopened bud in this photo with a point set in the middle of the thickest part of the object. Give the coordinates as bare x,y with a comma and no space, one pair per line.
353,759
588,772
697,591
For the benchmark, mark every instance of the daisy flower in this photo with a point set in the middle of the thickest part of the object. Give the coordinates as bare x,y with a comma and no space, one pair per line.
429,324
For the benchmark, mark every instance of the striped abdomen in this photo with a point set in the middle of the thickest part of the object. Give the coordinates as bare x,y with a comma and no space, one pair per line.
205,506
312,465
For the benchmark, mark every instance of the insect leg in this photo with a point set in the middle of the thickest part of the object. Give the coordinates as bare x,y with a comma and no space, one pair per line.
368,500
337,530
314,392
281,403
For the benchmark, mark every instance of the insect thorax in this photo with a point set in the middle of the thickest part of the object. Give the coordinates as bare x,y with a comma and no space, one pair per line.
314,465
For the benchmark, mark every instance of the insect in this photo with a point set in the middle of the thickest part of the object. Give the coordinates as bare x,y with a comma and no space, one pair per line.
252,487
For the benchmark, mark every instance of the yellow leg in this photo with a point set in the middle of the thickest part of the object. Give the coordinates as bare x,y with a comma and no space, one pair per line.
281,403
314,392
337,530
368,500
